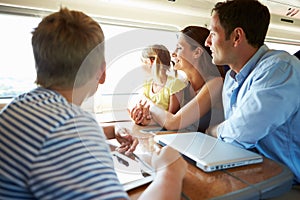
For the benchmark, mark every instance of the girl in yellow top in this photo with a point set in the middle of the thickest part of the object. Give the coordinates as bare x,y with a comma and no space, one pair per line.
162,89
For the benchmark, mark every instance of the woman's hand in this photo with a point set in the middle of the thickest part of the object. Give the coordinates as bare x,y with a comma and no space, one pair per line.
127,142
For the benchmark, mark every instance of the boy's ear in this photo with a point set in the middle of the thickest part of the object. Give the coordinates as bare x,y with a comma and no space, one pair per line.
102,74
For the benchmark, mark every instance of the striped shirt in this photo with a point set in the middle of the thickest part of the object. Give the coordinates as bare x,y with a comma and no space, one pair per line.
51,149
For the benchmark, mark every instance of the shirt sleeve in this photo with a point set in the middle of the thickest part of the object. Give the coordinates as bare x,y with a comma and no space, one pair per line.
175,85
269,93
76,164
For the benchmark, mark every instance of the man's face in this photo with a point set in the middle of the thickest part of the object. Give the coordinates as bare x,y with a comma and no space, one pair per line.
217,42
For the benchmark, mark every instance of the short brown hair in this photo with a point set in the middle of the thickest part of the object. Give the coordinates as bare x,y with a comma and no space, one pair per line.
250,15
61,42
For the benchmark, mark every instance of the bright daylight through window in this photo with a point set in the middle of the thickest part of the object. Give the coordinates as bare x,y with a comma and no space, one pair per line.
123,57
123,53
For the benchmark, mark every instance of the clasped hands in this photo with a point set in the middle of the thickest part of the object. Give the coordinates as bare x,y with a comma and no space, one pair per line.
140,114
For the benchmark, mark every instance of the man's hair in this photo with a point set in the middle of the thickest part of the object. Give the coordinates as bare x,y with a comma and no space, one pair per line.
250,15
61,43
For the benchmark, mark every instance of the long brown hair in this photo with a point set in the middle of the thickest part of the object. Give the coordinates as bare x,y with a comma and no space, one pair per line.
195,36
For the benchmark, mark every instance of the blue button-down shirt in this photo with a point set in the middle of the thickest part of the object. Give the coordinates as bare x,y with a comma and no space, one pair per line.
262,107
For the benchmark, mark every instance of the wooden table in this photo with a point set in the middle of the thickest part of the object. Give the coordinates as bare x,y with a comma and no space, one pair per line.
259,181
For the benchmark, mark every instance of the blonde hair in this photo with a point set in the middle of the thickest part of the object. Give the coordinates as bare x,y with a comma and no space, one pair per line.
160,56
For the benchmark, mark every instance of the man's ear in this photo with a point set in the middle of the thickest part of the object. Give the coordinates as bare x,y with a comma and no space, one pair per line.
238,33
102,73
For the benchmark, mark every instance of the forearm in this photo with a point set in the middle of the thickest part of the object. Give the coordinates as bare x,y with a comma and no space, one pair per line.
166,185
163,118
109,131
182,119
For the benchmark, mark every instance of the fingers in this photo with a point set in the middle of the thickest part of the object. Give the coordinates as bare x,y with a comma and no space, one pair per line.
146,112
122,149
133,145
133,112
139,117
127,142
137,114
140,114
143,104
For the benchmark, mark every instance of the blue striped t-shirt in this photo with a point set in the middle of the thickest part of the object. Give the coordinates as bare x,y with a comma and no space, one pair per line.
51,149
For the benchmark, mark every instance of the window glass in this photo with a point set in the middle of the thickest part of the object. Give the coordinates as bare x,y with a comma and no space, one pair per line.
125,74
123,57
123,48
286,47
17,73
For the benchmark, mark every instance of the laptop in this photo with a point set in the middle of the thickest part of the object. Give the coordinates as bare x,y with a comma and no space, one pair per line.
208,153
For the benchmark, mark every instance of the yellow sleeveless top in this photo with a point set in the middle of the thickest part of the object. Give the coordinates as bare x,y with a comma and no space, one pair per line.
162,97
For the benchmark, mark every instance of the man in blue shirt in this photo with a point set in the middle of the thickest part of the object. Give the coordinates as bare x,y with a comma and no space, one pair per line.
261,90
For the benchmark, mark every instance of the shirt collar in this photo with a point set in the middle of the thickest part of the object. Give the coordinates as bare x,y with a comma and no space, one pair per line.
250,65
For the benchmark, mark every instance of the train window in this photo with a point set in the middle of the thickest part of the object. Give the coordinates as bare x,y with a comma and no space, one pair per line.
282,46
125,74
16,63
123,53
123,57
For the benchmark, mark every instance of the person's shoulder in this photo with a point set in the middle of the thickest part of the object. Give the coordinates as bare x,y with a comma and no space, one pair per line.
277,55
52,102
33,98
275,67
279,58
175,82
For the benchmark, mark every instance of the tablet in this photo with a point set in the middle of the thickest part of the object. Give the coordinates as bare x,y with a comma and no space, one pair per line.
131,170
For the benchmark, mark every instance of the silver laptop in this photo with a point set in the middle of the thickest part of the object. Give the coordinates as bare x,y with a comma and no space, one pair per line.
208,153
